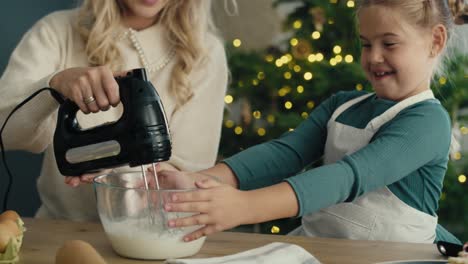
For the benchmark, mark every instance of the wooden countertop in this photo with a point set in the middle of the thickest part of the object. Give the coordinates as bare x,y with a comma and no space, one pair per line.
44,237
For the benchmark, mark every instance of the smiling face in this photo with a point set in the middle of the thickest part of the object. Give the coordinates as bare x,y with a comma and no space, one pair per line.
140,14
395,55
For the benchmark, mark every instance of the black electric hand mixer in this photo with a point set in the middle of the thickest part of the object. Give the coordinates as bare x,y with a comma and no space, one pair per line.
141,136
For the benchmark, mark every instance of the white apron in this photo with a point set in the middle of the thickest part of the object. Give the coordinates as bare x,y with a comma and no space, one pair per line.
377,215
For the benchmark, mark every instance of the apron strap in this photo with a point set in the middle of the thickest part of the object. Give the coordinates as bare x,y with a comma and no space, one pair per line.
348,104
388,115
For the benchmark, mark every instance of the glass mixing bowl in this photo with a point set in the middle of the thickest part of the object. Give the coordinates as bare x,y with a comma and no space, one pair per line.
135,221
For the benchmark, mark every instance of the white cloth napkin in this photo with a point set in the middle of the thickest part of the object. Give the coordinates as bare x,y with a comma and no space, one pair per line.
273,253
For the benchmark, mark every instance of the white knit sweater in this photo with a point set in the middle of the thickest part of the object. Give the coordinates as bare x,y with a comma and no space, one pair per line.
52,45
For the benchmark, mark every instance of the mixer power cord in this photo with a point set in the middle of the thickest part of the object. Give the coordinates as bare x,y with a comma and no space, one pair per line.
57,96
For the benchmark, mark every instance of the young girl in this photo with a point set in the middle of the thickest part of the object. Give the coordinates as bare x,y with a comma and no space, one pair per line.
78,52
385,153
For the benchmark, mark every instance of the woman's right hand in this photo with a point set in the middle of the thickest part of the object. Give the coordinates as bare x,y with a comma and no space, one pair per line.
91,88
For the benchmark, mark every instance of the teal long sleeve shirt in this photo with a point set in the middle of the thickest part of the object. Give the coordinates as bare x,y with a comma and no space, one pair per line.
408,154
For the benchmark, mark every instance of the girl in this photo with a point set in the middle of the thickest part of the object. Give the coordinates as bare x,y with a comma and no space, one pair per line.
78,53
385,153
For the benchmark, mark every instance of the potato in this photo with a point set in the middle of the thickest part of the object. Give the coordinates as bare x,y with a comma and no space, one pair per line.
9,214
11,225
78,252
5,236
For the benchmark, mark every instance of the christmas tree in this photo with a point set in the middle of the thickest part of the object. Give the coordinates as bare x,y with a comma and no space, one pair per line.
275,89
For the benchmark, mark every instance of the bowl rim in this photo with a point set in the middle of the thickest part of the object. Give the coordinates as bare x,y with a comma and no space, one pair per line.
113,173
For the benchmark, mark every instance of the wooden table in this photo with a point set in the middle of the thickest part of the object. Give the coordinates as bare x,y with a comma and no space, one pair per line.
43,238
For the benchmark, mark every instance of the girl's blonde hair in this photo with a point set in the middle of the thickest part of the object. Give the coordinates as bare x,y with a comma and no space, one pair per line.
186,21
426,14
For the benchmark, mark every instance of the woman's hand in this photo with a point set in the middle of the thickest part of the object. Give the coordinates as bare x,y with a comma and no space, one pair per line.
91,88
74,181
220,207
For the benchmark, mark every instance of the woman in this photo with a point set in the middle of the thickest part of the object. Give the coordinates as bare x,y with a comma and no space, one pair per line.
78,52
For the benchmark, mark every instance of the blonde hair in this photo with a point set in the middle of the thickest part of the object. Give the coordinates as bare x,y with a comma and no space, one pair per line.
426,14
187,22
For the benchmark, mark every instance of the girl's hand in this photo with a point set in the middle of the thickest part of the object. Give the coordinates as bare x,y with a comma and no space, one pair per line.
91,88
220,207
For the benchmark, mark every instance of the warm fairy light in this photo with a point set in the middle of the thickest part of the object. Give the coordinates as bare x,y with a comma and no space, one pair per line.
338,58
284,91
337,49
271,119
312,58
261,75
350,3
315,35
300,89
462,178
319,57
228,99
236,43
305,115
349,58
310,104
464,130
238,130
289,57
297,24
288,105
261,131
229,123
255,82
308,76
297,68
442,80
291,129
269,58
294,42
278,63
287,75
257,114
331,21
275,230
359,87
457,156
332,61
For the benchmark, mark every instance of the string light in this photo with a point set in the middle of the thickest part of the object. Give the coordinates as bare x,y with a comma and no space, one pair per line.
333,1
338,58
297,24
337,49
271,119
349,58
332,61
462,178
300,89
312,58
255,82
297,68
229,123
288,105
228,99
294,42
319,57
308,76
310,104
269,58
315,35
261,75
304,115
238,130
237,43
287,75
350,4
442,80
261,132
257,114
457,156
359,87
